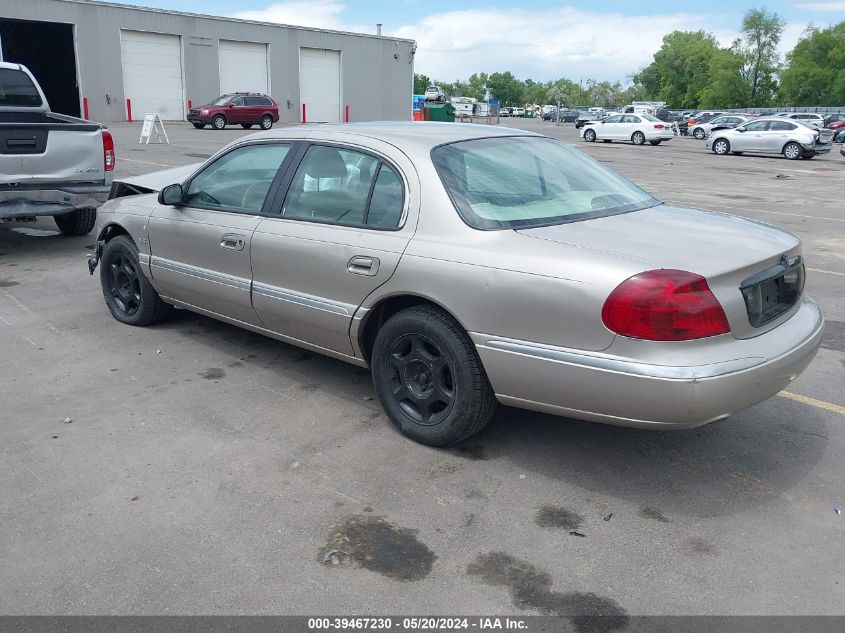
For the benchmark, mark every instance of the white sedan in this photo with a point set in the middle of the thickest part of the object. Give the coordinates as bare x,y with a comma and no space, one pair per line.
637,128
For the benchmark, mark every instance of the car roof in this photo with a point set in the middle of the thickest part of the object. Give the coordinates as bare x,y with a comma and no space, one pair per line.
402,134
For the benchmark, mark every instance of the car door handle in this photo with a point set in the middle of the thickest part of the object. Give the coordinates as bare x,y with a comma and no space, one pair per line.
233,241
363,266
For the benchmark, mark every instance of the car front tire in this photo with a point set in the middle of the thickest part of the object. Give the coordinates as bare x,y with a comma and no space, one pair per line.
218,122
721,146
590,135
792,151
129,296
79,222
655,142
698,133
429,378
199,126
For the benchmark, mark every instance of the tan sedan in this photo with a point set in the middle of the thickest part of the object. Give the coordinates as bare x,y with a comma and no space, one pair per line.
469,265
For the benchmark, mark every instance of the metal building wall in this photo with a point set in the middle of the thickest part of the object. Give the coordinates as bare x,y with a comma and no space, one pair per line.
376,72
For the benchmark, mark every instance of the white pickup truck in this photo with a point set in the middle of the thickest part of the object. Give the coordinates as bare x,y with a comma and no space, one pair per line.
50,164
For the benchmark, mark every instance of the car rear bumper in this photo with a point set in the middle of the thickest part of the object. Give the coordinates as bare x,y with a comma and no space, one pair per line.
627,392
34,202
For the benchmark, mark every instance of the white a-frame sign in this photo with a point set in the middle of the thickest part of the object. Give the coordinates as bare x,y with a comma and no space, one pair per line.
153,127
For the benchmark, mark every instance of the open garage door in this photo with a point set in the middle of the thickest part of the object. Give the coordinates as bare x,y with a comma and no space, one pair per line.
319,84
243,67
152,73
47,49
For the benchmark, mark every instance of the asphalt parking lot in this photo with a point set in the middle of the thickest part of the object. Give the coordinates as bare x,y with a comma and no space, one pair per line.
206,469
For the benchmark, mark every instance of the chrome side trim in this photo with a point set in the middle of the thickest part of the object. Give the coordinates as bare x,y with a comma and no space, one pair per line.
623,366
199,273
273,292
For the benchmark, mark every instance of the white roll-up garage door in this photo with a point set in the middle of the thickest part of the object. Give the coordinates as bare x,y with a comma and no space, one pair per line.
319,84
243,67
152,73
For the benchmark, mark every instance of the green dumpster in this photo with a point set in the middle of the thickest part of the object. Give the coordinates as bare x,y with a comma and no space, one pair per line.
529,114
439,112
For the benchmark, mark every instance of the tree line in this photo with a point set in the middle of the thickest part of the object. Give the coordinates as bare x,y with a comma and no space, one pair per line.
691,70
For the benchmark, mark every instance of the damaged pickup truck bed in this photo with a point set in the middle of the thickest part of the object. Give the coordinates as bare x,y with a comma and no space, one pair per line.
50,164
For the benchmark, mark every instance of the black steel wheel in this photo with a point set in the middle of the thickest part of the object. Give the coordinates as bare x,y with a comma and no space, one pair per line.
429,378
218,122
129,296
266,122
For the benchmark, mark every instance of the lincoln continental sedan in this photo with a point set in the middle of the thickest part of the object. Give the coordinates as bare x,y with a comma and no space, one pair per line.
467,266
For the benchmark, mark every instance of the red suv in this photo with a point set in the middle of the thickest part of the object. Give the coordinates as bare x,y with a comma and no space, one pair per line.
244,108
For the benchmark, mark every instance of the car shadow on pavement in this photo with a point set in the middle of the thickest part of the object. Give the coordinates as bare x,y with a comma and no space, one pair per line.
719,469
723,468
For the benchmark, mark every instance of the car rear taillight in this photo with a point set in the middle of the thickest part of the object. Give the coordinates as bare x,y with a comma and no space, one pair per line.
659,126
108,151
664,305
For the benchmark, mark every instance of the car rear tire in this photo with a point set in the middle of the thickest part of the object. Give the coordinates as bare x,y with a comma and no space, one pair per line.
129,296
199,126
737,153
79,222
218,122
721,146
266,122
606,140
638,138
246,126
699,133
429,378
655,142
590,135
792,151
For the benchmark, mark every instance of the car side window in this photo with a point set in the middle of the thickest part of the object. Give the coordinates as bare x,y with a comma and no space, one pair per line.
264,101
238,102
781,126
239,180
387,201
757,126
340,186
613,119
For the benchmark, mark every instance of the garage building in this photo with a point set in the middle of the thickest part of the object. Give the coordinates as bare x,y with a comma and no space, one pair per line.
98,55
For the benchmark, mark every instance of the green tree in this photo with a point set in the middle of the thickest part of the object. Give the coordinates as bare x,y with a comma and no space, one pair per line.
728,87
421,82
761,31
816,71
477,86
681,68
509,90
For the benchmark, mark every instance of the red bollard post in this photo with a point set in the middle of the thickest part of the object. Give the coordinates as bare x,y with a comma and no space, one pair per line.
347,113
129,110
85,108
303,114
189,104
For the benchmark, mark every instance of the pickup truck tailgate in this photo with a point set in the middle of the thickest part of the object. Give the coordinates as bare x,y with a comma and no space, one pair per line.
54,151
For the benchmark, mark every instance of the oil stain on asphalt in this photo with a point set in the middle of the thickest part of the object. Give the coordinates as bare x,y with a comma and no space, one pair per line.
530,588
556,517
370,542
213,373
654,514
834,336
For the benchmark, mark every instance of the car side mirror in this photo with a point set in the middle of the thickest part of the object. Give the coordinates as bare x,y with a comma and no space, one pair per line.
231,105
171,195
741,128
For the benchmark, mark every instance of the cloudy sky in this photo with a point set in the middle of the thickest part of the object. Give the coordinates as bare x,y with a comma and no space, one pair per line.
540,39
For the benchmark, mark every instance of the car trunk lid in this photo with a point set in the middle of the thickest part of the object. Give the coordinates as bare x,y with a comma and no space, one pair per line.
728,251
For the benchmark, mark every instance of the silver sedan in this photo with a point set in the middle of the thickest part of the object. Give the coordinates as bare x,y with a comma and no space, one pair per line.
467,266
775,135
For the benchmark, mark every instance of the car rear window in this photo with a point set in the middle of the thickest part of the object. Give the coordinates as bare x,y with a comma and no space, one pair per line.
17,89
519,182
